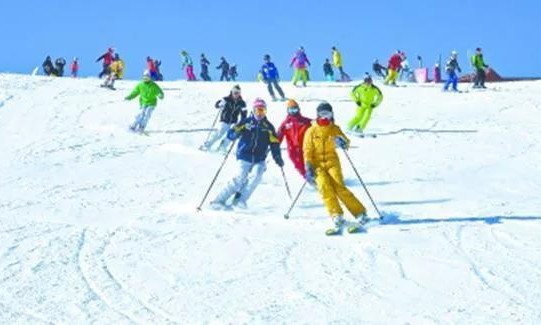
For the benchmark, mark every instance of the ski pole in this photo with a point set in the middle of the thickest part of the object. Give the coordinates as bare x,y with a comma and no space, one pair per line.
286,216
361,180
213,125
287,185
216,176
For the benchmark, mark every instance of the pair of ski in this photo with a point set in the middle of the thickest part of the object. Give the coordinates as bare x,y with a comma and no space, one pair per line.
351,228
108,87
362,135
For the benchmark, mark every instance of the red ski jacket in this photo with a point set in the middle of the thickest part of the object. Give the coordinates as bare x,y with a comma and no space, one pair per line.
293,129
395,61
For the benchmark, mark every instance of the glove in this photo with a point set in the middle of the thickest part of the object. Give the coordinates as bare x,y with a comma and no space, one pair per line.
221,104
358,103
340,142
160,96
126,98
310,174
279,161
373,105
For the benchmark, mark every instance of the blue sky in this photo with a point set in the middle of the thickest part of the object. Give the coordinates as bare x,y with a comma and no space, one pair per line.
243,31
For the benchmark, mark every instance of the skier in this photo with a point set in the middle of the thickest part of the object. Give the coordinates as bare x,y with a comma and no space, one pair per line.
233,74
367,97
379,70
187,64
231,107
116,71
225,69
437,73
157,64
300,62
204,68
59,65
479,65
148,91
337,60
257,137
395,62
48,67
451,67
271,77
293,128
74,67
405,71
151,67
323,169
328,71
107,61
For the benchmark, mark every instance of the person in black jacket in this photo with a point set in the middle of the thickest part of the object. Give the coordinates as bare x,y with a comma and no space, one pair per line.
48,67
379,70
157,64
204,68
231,107
328,71
233,74
225,69
59,67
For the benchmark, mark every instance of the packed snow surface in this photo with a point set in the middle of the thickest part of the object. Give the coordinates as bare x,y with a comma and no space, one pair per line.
99,225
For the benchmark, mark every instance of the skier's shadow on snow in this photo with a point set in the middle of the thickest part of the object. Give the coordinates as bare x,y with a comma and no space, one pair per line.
393,218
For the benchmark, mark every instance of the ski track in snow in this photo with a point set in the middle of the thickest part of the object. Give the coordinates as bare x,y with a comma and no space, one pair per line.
98,225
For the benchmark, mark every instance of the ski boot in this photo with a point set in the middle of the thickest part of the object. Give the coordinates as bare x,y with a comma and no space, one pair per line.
218,205
337,226
238,202
360,221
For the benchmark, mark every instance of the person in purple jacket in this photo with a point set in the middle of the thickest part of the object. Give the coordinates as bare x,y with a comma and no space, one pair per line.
271,77
300,62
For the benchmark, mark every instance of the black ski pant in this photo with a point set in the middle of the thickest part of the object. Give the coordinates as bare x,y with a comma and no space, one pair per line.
274,82
480,77
105,70
225,75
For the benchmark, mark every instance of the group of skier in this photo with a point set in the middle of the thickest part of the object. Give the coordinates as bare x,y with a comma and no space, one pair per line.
57,69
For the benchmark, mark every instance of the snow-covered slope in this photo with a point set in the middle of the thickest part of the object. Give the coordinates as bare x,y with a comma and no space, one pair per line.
98,225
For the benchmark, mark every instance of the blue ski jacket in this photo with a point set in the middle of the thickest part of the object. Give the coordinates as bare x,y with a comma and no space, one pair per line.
269,71
255,139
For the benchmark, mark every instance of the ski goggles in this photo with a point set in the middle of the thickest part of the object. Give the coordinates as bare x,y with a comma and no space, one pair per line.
260,111
235,92
325,114
293,110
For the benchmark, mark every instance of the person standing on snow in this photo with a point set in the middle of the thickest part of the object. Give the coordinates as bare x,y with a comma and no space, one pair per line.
328,71
271,77
257,138
479,65
48,67
323,169
337,60
74,67
451,67
116,72
151,67
187,64
225,69
107,61
233,74
204,68
231,107
379,69
148,92
300,62
367,97
395,63
157,64
293,129
59,65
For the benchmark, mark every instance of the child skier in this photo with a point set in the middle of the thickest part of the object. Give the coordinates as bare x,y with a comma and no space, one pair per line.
74,67
367,97
300,62
323,169
231,107
270,76
328,71
395,63
187,64
451,67
257,137
148,91
293,129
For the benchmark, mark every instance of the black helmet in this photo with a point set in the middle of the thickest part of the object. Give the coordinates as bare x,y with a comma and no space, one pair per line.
266,57
367,77
324,107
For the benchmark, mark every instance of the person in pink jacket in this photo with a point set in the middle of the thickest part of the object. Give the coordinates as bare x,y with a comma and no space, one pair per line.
300,62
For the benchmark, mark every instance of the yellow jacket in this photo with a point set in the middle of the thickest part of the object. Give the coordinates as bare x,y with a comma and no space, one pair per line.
118,68
367,95
337,58
319,145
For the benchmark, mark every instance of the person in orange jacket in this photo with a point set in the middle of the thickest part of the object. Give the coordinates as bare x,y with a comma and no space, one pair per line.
293,129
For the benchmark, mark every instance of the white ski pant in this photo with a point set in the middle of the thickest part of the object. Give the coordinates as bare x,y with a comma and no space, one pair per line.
220,133
248,177
141,120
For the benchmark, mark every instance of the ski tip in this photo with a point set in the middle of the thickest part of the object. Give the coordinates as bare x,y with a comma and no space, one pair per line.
286,216
198,209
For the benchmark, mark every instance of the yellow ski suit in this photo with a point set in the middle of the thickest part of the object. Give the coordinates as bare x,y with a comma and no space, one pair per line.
337,59
117,67
320,153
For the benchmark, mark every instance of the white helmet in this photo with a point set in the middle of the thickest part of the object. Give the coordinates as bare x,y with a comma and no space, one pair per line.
454,53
